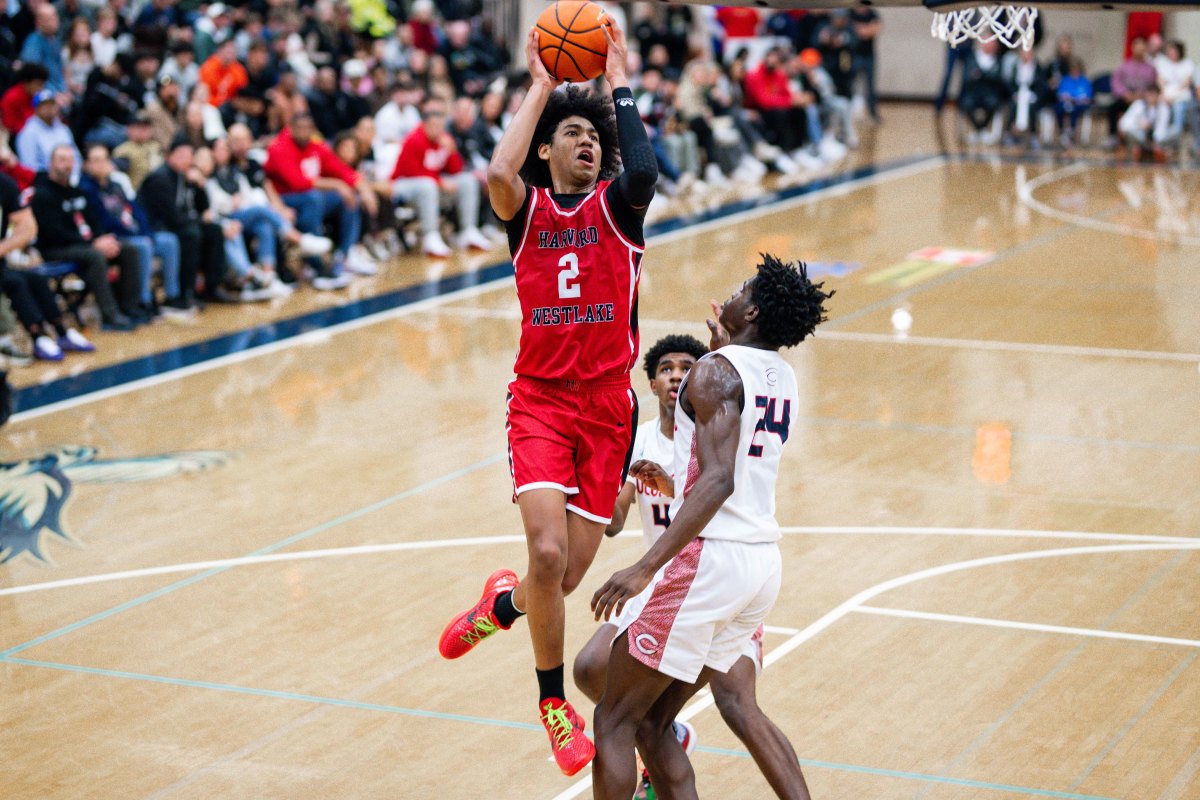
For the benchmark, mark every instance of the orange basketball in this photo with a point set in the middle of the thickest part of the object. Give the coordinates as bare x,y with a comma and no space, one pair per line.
571,40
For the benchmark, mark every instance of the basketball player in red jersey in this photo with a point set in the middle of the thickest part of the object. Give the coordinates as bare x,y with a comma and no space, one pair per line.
575,232
687,608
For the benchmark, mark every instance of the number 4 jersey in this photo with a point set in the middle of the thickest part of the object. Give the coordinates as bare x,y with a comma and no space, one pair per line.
769,391
577,280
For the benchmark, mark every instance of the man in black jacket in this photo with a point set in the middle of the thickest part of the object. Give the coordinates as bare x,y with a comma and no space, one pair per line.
67,231
175,200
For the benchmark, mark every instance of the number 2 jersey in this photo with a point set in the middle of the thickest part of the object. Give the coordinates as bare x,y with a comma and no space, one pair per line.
770,399
577,269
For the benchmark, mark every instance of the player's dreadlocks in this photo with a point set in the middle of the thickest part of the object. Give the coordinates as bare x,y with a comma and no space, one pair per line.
675,343
789,304
574,101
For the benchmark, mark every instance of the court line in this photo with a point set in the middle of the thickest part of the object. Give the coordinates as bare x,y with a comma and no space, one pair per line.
1026,626
145,598
1137,717
920,776
660,232
702,703
437,715
267,556
948,342
1025,197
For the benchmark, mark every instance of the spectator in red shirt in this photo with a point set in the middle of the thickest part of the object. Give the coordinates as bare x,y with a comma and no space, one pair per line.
316,184
739,22
429,152
768,91
16,106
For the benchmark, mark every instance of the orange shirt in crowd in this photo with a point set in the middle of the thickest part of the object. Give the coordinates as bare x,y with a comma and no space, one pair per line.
223,80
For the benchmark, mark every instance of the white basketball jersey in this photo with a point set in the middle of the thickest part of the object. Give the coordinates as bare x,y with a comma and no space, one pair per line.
650,444
769,390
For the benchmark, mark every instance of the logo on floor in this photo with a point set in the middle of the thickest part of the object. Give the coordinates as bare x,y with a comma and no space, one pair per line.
926,263
34,492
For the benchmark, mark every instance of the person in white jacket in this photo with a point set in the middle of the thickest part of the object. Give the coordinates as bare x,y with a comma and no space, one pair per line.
1147,124
1175,77
232,195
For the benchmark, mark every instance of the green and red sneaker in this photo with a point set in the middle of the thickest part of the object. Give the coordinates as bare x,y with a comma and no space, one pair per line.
478,622
572,749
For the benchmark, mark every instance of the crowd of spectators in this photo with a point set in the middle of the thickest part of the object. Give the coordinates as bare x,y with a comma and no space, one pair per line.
1149,102
183,152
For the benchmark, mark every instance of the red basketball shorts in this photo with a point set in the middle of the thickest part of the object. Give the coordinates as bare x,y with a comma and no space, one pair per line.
574,436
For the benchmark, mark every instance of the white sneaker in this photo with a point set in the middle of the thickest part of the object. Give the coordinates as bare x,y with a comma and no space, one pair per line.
714,177
253,293
313,245
433,245
47,349
278,288
785,164
765,151
378,249
494,233
831,149
78,342
359,261
472,239
331,283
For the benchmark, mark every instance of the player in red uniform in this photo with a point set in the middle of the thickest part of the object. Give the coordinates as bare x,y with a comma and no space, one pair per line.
575,232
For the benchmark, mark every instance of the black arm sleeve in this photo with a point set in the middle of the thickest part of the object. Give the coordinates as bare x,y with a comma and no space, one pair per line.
636,184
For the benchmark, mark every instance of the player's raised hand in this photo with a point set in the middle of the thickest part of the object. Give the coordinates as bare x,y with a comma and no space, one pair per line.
719,336
653,474
537,70
615,65
621,587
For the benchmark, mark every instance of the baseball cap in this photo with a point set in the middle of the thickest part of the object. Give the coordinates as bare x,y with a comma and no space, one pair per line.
354,68
44,96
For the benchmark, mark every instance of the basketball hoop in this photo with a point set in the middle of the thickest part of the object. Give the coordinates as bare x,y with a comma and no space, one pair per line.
1012,26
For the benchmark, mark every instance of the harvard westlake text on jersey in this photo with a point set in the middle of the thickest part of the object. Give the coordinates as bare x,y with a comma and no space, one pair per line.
572,315
570,237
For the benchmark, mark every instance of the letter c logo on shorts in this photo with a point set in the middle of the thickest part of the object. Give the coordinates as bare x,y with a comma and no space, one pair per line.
647,643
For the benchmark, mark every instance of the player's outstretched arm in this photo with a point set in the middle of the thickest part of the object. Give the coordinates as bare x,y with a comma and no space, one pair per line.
639,167
505,187
715,394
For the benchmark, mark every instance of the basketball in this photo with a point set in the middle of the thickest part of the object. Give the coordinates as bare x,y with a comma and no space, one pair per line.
571,40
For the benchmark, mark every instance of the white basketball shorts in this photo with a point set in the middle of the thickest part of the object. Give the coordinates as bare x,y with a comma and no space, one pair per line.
705,608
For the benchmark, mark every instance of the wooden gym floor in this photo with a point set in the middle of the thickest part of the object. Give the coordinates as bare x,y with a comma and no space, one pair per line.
992,520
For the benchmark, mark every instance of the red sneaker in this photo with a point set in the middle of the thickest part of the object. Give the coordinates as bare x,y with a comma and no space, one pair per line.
572,749
479,622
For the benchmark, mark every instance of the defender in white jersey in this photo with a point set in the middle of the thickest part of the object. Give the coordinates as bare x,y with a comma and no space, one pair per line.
687,607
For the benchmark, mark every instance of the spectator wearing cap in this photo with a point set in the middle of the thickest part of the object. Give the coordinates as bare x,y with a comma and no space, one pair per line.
68,230
140,152
333,110
43,132
175,200
248,107
181,67
836,40
833,106
43,47
121,216
429,153
223,74
212,28
16,106
164,112
318,185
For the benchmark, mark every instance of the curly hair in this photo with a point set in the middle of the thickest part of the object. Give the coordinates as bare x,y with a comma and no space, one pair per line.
574,101
789,304
675,343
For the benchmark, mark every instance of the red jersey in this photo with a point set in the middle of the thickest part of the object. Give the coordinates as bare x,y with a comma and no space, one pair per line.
577,280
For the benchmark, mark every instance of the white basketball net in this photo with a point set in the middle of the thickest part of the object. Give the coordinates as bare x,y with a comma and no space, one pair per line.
1012,26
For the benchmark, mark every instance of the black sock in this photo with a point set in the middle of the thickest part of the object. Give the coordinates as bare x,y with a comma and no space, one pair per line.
550,682
506,613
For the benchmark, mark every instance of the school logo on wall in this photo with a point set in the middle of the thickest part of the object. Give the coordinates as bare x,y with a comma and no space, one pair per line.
34,492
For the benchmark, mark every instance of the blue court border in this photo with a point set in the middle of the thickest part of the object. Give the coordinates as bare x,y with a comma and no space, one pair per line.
32,397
